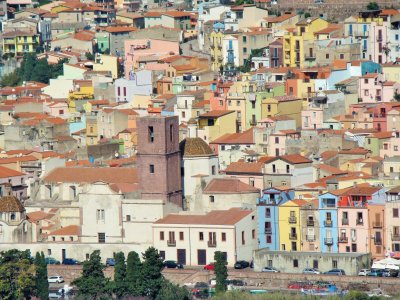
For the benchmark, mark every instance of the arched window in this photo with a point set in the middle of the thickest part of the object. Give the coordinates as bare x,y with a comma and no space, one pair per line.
12,216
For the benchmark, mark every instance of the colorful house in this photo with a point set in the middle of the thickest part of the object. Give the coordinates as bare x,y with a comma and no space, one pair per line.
216,123
268,216
19,42
328,221
289,225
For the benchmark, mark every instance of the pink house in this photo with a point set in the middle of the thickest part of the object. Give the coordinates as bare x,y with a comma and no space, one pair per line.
312,118
277,141
58,109
150,48
374,89
393,120
391,147
218,99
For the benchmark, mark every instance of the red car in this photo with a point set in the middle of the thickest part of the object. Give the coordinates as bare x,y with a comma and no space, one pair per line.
209,267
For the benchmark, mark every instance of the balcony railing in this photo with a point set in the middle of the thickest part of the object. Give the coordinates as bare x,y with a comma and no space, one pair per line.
296,49
292,236
396,237
345,221
310,57
310,237
292,220
268,230
359,222
171,243
377,224
378,242
328,241
328,223
310,223
212,244
343,239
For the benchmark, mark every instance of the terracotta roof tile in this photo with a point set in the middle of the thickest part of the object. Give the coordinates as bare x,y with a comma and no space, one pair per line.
195,147
216,113
67,230
10,204
255,168
228,186
294,159
245,137
216,217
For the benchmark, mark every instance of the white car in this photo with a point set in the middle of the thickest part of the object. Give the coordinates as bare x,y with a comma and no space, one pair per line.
55,279
270,270
311,271
363,272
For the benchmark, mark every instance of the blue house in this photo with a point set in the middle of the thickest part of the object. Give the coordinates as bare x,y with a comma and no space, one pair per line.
268,217
328,220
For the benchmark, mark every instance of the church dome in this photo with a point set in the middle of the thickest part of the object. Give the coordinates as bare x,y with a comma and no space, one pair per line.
194,147
10,204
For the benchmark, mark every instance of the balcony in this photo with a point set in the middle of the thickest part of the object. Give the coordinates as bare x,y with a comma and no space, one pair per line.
328,223
310,223
377,224
310,57
379,38
212,244
361,33
328,241
378,242
268,230
345,221
378,98
343,239
310,237
292,220
171,243
359,222
275,57
396,237
293,236
296,49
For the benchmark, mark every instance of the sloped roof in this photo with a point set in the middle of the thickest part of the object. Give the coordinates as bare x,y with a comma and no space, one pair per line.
228,186
245,138
215,217
67,230
245,167
195,147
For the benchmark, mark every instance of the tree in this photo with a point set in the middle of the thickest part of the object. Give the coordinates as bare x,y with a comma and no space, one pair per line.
372,6
151,272
221,271
307,15
92,284
17,275
41,71
27,66
133,278
170,291
120,286
42,285
11,79
89,56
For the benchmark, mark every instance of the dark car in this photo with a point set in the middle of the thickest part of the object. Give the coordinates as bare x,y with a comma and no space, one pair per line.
375,273
70,261
110,262
172,264
200,290
335,272
241,264
390,273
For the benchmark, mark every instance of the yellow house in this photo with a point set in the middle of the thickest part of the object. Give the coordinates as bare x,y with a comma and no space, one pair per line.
91,129
19,42
236,100
216,123
216,38
391,71
293,41
289,225
290,106
105,62
83,90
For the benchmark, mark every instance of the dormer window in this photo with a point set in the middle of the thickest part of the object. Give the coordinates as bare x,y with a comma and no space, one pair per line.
12,217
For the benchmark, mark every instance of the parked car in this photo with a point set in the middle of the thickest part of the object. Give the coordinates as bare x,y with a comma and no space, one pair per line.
390,273
236,282
364,272
311,271
51,261
375,273
200,290
70,261
241,264
172,264
335,272
110,262
209,267
270,270
55,279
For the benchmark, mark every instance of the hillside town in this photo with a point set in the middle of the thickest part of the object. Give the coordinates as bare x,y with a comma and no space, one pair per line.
270,135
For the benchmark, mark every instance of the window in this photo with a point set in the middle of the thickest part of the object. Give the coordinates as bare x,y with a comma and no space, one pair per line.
213,170
268,239
101,237
201,236
244,50
251,181
161,235
295,263
268,213
128,218
315,264
243,239
212,199
327,56
171,132
151,169
244,39
276,140
162,254
395,212
181,235
287,169
100,215
151,134
183,114
341,56
365,80
395,148
334,264
253,234
48,251
223,236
